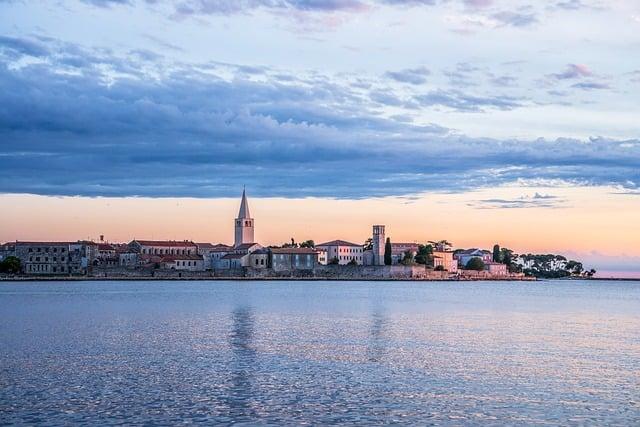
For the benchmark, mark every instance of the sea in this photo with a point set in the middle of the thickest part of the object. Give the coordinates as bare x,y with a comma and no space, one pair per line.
563,352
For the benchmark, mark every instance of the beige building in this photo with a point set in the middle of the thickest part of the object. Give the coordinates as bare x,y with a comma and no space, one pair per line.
342,251
445,260
164,247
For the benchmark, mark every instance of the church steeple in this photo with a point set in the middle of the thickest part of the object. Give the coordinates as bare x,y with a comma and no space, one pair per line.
244,206
244,225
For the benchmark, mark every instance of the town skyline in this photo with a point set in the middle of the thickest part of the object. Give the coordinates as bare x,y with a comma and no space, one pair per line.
209,220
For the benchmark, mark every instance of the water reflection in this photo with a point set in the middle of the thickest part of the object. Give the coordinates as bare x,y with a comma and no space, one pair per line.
243,362
377,338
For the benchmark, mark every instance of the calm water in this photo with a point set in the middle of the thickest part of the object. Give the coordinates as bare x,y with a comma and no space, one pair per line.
320,352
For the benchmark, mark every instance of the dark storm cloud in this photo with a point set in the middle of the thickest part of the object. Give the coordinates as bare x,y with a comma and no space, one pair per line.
68,126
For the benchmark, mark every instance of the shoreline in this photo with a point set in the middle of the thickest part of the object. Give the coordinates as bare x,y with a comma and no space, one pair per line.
296,279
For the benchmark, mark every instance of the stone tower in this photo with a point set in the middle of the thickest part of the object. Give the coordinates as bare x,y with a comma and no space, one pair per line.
244,223
378,244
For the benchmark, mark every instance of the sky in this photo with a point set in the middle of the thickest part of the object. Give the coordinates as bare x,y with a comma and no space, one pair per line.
479,121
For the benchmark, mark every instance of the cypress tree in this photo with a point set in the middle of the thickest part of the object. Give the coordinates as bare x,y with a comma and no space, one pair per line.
496,253
387,252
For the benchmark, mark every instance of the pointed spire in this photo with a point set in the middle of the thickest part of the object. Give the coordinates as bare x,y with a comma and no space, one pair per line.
244,206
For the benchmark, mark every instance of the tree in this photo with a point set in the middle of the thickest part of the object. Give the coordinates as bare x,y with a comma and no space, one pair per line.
368,244
424,255
496,253
506,257
441,245
352,262
475,264
10,265
308,244
439,268
407,259
334,261
388,260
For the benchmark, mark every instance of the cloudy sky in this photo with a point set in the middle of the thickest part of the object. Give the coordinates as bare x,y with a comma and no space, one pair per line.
480,121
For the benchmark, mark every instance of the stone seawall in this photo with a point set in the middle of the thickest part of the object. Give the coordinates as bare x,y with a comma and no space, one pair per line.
322,272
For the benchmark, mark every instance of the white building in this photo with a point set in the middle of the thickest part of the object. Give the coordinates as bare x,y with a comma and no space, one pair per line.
343,251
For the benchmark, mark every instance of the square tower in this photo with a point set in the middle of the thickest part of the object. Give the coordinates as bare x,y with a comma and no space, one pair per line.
378,244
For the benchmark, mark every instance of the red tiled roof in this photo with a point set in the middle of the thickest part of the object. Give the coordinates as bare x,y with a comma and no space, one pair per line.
106,247
299,251
339,243
165,243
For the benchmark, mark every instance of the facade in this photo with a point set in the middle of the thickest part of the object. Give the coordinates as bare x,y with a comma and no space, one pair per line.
465,256
163,247
496,268
445,260
106,255
399,249
343,251
234,261
259,259
379,241
216,254
244,224
182,262
128,259
212,253
53,258
290,259
322,256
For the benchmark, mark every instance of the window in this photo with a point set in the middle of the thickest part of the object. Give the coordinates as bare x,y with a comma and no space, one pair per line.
55,249
62,259
39,249
262,261
30,250
62,250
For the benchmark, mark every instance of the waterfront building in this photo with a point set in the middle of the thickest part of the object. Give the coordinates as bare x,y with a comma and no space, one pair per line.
378,241
259,258
53,258
234,261
445,260
163,247
182,262
290,259
496,268
212,253
217,252
106,255
343,251
466,255
244,224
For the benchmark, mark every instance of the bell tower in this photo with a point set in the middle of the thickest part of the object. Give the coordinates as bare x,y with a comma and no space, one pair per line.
244,225
378,244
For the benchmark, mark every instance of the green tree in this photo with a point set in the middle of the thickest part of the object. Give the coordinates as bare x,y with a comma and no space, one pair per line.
10,265
439,268
308,244
475,264
496,253
424,255
352,262
388,260
407,259
334,261
368,244
506,257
